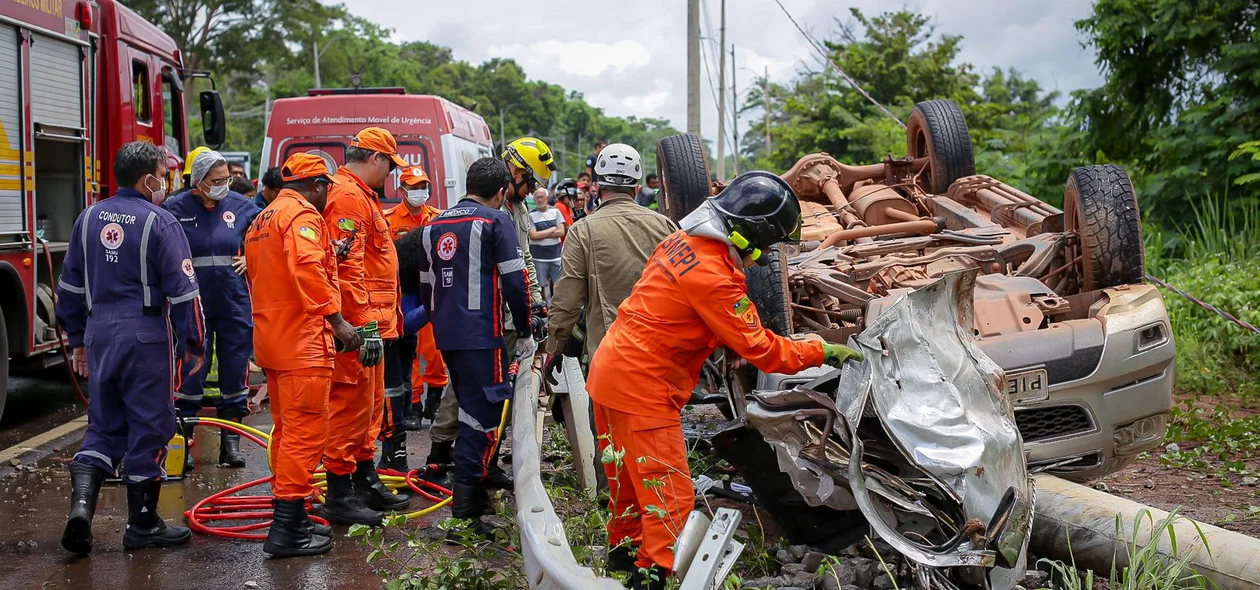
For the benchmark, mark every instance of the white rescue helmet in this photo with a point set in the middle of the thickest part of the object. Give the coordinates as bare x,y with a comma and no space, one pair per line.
618,165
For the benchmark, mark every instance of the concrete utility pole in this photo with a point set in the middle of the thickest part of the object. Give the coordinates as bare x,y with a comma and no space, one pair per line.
734,114
765,95
721,96
315,48
693,67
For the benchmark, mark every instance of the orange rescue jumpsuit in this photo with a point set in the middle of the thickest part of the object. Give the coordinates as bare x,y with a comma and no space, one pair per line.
401,221
369,291
290,260
691,298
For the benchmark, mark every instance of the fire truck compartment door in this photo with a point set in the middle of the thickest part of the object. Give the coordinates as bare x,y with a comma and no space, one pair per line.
11,217
56,83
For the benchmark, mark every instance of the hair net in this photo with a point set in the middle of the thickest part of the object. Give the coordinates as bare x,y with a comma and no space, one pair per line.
204,162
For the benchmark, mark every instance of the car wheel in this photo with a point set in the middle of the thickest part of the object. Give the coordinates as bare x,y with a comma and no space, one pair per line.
937,130
768,290
4,364
1099,205
684,173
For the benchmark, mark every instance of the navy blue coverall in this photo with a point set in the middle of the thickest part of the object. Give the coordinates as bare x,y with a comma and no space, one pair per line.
471,264
128,269
215,236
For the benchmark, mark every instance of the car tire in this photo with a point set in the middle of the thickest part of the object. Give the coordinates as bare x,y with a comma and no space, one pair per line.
937,130
4,364
1100,206
684,173
768,290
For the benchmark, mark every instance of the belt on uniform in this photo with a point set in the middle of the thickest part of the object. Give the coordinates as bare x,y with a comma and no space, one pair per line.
148,310
203,261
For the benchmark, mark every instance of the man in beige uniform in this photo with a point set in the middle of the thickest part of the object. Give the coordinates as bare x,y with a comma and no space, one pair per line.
529,162
604,253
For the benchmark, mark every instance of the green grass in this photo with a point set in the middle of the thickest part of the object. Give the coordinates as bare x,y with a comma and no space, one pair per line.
1147,569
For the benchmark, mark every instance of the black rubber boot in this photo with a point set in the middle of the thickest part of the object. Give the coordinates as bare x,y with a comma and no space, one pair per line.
496,477
394,453
621,559
230,447
440,454
468,502
412,420
372,491
85,486
289,536
145,528
652,578
315,528
432,399
343,506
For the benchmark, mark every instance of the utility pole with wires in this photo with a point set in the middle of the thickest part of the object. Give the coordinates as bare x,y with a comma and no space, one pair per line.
693,67
734,115
765,96
721,95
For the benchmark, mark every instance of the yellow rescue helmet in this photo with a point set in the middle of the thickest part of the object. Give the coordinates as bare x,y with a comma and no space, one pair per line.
532,154
188,162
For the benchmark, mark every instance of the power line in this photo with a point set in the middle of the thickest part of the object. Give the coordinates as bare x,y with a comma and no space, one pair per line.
843,74
709,75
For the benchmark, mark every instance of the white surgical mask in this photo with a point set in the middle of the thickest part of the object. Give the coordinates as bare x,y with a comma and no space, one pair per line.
159,195
217,192
417,197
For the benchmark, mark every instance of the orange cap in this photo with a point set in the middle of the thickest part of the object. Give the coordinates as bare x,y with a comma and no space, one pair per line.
379,140
303,166
413,175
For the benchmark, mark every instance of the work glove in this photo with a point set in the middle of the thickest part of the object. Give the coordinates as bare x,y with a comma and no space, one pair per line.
836,355
553,365
372,352
538,322
522,345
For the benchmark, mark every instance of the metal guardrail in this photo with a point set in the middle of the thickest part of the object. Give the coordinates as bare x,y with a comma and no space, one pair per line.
549,562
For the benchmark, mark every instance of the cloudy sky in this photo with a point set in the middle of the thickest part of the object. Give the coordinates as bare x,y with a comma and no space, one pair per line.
629,57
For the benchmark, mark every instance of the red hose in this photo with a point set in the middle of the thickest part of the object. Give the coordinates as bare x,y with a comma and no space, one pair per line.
223,506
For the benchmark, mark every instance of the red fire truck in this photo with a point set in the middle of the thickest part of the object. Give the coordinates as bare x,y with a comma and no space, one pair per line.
433,133
78,79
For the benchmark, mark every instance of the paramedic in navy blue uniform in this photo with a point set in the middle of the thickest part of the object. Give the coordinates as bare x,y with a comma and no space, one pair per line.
470,264
128,277
214,220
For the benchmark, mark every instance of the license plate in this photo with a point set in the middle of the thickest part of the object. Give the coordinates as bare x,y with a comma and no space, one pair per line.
1028,386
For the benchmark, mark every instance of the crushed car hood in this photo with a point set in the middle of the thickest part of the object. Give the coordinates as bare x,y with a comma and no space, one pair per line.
919,437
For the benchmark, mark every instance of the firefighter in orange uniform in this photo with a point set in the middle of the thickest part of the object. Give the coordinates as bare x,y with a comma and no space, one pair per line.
414,213
692,297
290,259
367,268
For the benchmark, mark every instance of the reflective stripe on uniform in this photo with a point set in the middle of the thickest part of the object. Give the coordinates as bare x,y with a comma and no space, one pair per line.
87,291
144,258
71,288
240,393
200,261
188,396
396,392
98,456
466,418
185,297
474,266
511,266
428,255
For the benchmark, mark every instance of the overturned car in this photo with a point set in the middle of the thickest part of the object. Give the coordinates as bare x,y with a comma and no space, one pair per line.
1081,345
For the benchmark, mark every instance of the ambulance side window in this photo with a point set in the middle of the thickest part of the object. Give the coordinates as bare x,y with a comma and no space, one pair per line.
141,97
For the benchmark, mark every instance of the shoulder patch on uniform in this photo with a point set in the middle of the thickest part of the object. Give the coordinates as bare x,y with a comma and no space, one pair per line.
742,306
447,245
187,266
308,233
345,224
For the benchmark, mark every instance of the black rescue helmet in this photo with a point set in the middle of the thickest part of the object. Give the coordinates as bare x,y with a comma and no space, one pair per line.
566,188
760,210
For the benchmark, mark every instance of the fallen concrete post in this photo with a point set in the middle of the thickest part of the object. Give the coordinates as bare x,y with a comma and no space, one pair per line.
1089,517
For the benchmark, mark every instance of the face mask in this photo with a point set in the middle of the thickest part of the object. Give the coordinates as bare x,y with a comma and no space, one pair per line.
157,195
217,193
417,197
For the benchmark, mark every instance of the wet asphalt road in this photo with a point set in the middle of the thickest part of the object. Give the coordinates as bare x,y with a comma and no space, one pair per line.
33,505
